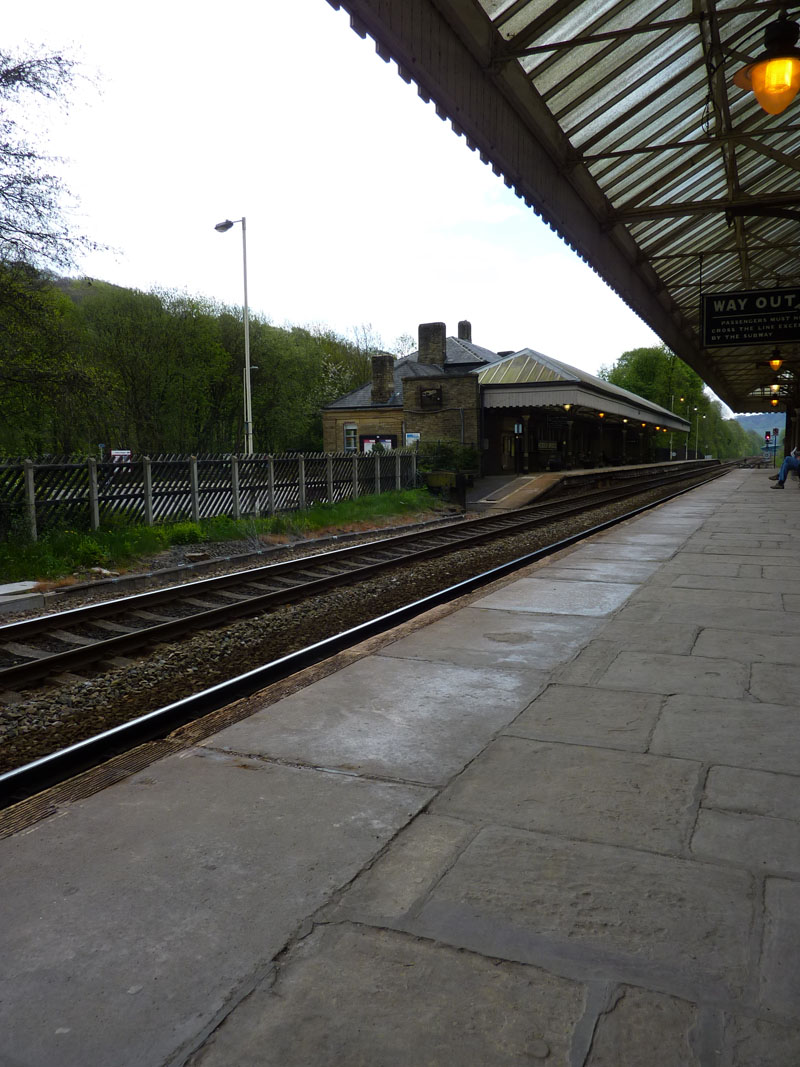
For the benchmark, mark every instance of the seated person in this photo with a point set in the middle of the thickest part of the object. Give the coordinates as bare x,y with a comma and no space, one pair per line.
790,463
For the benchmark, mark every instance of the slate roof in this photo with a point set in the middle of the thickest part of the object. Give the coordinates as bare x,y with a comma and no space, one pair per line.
460,357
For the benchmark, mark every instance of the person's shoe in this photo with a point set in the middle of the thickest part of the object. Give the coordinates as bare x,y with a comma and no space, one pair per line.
777,485
773,477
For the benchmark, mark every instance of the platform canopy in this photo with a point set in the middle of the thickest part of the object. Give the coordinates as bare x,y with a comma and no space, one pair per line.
527,379
619,124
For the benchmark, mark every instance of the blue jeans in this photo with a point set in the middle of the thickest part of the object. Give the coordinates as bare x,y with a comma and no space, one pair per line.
789,464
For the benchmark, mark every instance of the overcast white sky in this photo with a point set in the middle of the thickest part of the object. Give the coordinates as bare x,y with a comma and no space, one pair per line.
361,205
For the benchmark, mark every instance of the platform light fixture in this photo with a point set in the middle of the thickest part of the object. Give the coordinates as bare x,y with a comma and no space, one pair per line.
775,76
774,401
601,414
776,362
567,407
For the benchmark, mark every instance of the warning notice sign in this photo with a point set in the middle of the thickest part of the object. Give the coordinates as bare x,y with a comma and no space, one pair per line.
751,317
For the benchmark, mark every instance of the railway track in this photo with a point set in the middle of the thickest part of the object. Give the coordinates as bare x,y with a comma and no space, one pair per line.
63,646
114,729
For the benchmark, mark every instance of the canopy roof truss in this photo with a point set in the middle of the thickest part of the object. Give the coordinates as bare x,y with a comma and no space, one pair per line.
618,123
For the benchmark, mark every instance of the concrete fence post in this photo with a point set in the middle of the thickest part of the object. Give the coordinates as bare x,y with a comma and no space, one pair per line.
414,469
301,481
355,476
30,498
195,491
147,484
329,477
377,458
397,478
94,504
235,505
271,485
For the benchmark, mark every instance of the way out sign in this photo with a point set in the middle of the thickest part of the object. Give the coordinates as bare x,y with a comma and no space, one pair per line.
751,317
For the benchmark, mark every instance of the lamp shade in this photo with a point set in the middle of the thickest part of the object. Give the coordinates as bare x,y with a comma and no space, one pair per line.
775,76
775,82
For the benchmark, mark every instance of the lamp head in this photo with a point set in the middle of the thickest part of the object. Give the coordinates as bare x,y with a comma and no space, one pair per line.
775,76
222,227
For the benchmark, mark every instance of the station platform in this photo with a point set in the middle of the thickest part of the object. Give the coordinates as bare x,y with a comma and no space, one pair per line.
504,492
555,822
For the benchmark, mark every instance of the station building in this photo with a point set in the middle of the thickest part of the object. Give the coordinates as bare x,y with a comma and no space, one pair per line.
523,411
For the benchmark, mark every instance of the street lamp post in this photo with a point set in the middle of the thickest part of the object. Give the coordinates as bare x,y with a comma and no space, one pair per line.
223,227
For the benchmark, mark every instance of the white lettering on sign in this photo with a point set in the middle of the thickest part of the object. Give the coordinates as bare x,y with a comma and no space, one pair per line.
783,302
762,316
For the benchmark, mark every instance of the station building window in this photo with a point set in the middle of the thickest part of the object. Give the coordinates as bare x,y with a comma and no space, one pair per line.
350,437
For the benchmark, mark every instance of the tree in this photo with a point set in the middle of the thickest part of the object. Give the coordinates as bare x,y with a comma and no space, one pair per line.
165,362
33,229
658,375
45,386
404,345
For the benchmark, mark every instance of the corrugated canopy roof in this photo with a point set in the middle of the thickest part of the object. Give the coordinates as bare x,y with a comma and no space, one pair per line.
528,378
618,122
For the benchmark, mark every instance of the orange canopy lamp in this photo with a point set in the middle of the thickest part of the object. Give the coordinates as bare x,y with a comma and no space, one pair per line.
775,76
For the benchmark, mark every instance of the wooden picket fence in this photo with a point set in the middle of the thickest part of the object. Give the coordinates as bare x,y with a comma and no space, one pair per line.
35,496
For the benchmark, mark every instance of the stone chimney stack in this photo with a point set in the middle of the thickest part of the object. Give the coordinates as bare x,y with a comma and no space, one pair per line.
464,330
382,377
432,342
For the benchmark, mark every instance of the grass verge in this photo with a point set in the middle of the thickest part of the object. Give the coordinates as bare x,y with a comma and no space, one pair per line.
62,552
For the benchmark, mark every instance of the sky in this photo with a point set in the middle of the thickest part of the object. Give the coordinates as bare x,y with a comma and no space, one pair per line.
363,208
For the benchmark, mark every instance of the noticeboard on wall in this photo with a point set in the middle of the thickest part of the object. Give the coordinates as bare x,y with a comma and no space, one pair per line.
368,442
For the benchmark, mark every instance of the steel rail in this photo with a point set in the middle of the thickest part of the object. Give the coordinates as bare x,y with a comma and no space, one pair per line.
392,550
25,781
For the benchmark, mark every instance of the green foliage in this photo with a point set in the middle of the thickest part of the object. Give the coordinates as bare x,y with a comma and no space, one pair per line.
62,552
43,381
658,375
447,455
185,533
88,553
84,362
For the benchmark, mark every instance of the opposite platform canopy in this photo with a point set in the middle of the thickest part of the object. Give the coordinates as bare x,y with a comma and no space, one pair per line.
619,124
